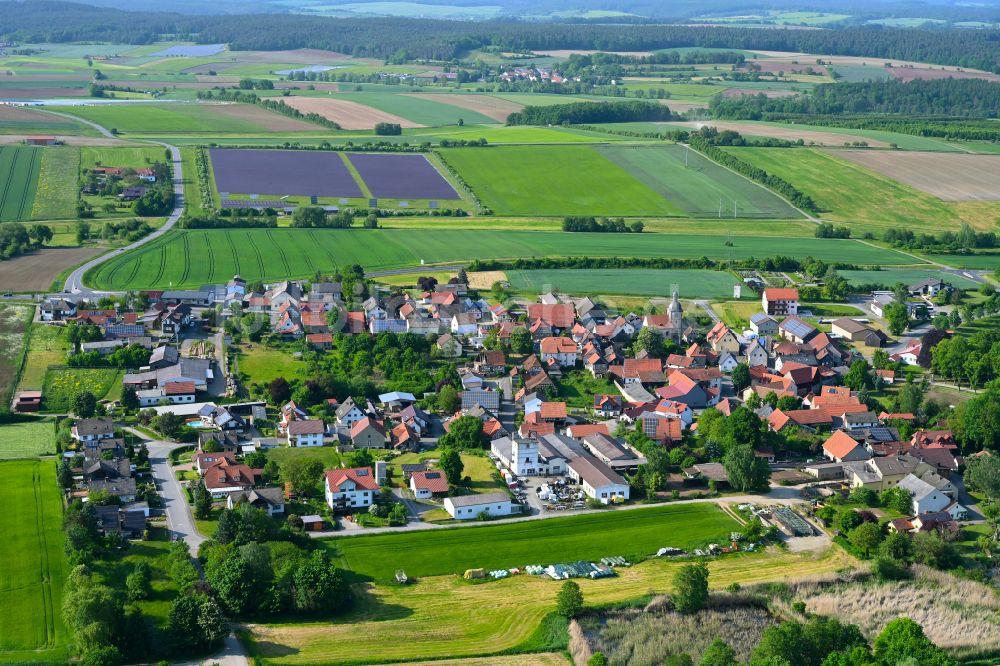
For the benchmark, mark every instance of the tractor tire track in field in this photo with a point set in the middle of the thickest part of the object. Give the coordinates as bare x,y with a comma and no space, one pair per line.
43,559
24,191
187,261
260,258
6,187
135,270
236,256
281,252
326,250
211,256
163,264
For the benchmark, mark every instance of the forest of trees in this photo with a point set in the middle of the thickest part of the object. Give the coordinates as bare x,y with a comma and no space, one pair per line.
590,112
394,38
976,98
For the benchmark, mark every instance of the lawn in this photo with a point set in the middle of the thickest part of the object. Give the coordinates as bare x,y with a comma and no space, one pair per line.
177,118
326,454
737,314
697,185
447,617
906,276
196,257
46,347
27,439
691,283
991,323
57,192
19,167
417,109
34,569
124,158
63,384
554,180
262,364
852,195
631,533
115,570
577,389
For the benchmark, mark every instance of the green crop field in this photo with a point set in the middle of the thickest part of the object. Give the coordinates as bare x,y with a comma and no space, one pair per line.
19,167
166,118
979,260
57,184
63,384
701,188
852,195
27,439
125,158
906,276
554,180
196,257
34,569
632,534
984,324
635,282
419,110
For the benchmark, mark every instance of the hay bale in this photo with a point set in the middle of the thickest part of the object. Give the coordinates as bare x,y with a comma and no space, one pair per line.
474,574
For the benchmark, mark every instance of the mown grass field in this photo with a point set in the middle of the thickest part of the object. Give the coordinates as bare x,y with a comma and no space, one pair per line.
906,276
633,534
701,188
444,616
19,167
57,193
262,365
554,180
63,384
166,118
27,439
121,157
46,347
34,569
197,257
863,199
637,282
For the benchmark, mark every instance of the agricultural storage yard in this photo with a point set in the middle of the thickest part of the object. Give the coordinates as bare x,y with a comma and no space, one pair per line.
34,568
636,282
19,167
950,177
196,257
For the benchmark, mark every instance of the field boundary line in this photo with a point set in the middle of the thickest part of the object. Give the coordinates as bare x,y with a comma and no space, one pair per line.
211,256
326,250
232,248
356,175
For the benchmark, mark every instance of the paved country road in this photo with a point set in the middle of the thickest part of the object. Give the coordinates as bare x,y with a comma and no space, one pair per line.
74,283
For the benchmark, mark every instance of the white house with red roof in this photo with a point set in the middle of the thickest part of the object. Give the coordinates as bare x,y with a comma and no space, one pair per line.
780,301
306,433
428,484
562,350
353,488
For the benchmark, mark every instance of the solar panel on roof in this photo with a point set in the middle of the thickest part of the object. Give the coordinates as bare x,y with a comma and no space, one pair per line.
432,475
362,472
797,327
881,434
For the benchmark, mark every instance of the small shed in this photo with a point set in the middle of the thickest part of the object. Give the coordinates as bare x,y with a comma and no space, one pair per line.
312,523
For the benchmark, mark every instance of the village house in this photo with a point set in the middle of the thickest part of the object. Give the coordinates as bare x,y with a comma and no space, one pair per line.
426,485
352,488
368,434
780,302
91,431
348,413
449,346
841,447
763,324
599,481
269,500
562,350
303,433
855,331
471,507
224,477
722,339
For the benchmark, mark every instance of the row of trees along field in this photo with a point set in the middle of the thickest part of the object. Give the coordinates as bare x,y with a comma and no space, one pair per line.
590,112
396,39
975,98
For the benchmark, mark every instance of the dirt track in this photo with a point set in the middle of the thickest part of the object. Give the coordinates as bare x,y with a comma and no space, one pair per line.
349,115
948,176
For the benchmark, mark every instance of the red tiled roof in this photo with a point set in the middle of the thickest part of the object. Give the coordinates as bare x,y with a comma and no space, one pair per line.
311,427
839,444
558,315
433,481
557,346
772,294
320,338
553,410
363,478
363,425
581,430
179,388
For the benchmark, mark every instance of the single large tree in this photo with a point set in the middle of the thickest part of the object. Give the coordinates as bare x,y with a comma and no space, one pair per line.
303,473
465,432
451,464
569,601
746,472
690,588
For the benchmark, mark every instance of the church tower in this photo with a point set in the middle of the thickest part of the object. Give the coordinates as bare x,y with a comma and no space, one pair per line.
676,318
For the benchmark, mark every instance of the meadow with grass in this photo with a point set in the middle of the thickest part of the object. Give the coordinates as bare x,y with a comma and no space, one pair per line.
57,192
63,384
27,439
19,166
169,118
632,534
637,282
34,567
196,257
